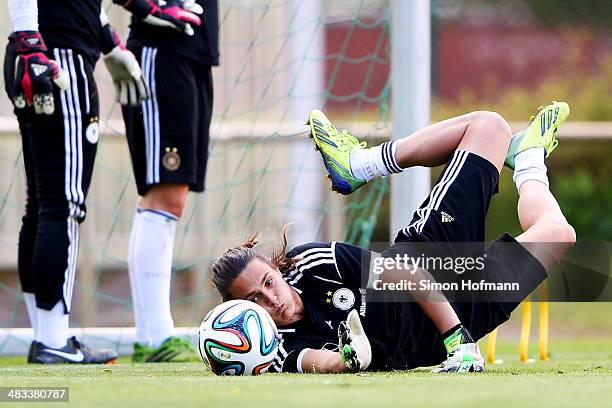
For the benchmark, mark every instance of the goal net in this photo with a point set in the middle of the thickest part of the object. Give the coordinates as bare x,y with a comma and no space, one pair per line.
279,60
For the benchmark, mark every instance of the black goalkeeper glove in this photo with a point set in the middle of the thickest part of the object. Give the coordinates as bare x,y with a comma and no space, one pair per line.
35,74
177,14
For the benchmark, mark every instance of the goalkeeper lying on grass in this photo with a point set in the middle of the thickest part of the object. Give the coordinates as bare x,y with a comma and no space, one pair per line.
315,292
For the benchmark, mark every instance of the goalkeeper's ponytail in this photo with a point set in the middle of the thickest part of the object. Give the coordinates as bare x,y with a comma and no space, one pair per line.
234,260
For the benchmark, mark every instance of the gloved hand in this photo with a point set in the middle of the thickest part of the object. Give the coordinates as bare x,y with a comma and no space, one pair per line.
191,5
354,345
177,14
464,358
456,336
124,69
35,74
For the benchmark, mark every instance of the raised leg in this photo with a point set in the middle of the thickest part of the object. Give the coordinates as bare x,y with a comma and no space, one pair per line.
350,165
486,134
547,234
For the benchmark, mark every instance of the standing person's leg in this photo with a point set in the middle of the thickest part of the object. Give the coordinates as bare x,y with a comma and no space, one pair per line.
63,148
165,138
29,226
29,221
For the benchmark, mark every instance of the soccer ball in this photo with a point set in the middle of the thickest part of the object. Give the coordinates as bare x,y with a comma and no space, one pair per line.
238,338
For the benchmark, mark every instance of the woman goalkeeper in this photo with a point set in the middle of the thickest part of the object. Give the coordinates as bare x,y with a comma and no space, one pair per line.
316,293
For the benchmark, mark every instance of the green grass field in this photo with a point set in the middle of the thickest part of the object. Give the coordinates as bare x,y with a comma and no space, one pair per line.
579,374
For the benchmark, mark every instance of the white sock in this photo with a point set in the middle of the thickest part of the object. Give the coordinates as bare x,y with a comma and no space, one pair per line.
30,301
378,161
150,265
529,165
141,335
52,326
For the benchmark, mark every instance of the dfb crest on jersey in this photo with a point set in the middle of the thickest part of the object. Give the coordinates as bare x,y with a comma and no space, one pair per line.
343,299
92,133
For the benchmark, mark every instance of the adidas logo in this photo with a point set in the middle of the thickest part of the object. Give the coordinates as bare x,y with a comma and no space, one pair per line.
446,217
39,69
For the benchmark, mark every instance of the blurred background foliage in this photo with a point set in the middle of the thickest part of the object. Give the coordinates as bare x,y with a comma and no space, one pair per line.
590,97
592,12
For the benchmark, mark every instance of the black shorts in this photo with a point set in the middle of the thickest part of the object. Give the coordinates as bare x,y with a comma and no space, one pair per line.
168,135
506,261
455,211
456,208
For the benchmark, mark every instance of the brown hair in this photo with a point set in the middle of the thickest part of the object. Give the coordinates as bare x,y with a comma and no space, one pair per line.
234,260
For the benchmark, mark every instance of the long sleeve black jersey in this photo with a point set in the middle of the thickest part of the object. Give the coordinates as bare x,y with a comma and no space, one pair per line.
72,24
202,47
331,280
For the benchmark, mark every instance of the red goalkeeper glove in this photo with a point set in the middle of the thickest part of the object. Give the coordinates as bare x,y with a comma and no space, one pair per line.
35,74
162,13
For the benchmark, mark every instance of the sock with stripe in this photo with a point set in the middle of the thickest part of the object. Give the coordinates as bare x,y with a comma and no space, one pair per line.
30,301
378,161
150,264
52,326
529,165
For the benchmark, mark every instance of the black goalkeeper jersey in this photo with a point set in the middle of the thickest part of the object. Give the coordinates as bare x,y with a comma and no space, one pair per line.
71,24
330,283
202,47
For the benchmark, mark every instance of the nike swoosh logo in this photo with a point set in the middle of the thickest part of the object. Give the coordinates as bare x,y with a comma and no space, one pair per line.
329,324
76,357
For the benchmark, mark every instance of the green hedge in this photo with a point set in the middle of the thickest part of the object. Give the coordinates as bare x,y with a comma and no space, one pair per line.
590,96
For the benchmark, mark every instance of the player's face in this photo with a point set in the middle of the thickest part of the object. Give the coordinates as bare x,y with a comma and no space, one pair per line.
263,284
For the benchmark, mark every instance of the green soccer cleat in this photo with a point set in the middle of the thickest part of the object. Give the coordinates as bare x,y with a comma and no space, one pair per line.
141,353
336,148
173,350
540,132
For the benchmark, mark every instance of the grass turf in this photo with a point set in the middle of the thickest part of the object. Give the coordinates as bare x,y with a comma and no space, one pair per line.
579,374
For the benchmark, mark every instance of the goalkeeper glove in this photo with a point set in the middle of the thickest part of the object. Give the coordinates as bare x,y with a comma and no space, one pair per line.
465,358
124,69
190,5
355,349
177,14
456,336
463,354
35,74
